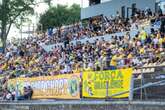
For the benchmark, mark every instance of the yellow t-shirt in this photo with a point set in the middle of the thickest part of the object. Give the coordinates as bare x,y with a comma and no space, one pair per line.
143,35
4,67
35,69
164,39
113,61
121,57
130,56
160,41
26,65
121,49
142,51
158,35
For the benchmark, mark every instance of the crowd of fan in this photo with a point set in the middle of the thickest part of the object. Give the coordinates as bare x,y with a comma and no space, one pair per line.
29,59
98,26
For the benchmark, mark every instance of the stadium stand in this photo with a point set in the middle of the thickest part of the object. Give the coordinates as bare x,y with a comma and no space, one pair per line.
29,59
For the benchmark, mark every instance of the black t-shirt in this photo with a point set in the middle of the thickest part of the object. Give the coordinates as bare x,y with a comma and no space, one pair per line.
21,53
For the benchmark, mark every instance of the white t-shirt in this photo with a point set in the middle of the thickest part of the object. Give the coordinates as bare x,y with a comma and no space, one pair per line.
8,54
8,96
67,68
155,40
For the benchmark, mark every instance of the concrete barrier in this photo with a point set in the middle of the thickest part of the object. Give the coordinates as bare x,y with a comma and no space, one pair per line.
82,105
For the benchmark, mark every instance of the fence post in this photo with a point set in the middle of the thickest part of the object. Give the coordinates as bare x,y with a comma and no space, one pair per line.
141,84
81,85
17,89
107,85
131,89
16,92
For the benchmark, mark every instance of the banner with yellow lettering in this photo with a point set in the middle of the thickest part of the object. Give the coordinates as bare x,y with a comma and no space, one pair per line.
96,82
48,87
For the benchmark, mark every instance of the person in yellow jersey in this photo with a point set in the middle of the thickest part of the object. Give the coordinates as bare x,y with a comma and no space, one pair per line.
160,41
129,59
4,67
141,50
143,36
114,60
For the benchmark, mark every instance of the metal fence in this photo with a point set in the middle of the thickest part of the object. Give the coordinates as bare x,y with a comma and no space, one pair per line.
146,86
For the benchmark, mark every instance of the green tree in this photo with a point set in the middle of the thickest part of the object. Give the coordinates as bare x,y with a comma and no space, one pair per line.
60,15
10,12
48,2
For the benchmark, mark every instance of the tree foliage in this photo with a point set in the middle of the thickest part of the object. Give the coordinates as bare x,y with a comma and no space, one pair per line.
48,2
10,12
60,15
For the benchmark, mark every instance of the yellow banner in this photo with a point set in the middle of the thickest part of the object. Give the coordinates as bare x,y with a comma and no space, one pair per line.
96,82
48,87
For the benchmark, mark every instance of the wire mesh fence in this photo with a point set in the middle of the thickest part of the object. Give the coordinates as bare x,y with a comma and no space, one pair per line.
155,91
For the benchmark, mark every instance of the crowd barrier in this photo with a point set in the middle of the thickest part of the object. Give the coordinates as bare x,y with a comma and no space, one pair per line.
91,84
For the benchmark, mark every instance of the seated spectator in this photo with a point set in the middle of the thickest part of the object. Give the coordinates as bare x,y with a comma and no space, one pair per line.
27,94
30,92
7,95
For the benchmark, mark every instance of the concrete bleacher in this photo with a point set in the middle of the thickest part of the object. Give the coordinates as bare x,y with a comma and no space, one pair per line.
146,68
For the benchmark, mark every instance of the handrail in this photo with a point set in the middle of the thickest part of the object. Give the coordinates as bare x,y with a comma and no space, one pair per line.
138,88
